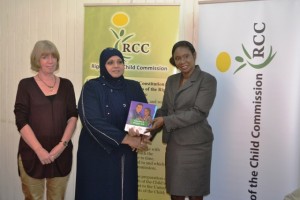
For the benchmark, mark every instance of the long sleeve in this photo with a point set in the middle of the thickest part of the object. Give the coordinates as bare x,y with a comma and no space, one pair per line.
44,121
92,114
191,109
21,109
71,105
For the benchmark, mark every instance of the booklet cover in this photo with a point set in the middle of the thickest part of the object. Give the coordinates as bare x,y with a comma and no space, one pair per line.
140,116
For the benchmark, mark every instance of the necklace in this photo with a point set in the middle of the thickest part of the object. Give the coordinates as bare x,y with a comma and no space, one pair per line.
49,86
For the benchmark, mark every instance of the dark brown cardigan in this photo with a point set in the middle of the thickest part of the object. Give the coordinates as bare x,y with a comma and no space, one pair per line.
48,120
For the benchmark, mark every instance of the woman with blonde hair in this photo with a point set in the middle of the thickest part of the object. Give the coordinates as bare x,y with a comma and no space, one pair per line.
46,116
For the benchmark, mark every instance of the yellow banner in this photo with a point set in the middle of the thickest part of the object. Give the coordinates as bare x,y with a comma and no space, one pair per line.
145,35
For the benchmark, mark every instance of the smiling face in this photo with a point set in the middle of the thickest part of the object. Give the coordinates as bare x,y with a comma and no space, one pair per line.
147,112
184,60
44,52
115,66
48,63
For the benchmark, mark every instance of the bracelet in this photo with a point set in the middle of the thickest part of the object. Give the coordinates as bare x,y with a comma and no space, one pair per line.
65,143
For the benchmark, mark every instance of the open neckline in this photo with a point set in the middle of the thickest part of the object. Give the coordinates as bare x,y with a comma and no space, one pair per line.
52,94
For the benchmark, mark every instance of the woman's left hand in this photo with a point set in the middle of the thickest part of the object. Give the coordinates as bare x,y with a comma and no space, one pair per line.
56,151
143,146
133,132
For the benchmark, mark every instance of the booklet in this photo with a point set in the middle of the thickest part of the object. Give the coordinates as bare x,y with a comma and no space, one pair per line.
140,116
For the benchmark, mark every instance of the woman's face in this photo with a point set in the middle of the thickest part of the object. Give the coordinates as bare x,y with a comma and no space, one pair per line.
146,112
184,59
48,63
115,66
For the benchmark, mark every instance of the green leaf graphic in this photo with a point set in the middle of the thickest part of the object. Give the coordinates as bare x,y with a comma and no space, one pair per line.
262,65
117,44
245,52
126,38
115,33
239,59
238,69
122,32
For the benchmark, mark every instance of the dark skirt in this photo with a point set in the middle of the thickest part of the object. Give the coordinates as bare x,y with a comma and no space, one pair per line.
188,169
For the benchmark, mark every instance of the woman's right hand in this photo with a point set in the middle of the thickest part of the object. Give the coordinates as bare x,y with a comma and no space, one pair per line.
157,123
44,156
133,132
135,142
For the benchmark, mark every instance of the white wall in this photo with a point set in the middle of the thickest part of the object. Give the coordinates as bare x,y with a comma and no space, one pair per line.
22,23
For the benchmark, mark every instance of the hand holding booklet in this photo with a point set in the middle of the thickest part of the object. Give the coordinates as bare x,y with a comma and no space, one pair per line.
140,116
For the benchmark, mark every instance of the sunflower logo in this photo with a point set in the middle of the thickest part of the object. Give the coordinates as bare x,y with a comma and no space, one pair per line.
223,60
120,20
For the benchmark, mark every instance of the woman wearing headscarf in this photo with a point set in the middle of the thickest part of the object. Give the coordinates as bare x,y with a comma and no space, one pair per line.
106,162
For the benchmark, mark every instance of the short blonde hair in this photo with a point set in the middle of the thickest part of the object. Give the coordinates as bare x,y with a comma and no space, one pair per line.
41,48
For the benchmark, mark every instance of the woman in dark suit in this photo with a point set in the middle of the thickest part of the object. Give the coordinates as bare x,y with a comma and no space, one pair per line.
188,98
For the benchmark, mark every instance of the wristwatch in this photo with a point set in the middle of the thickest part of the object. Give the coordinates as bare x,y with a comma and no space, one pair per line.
65,143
